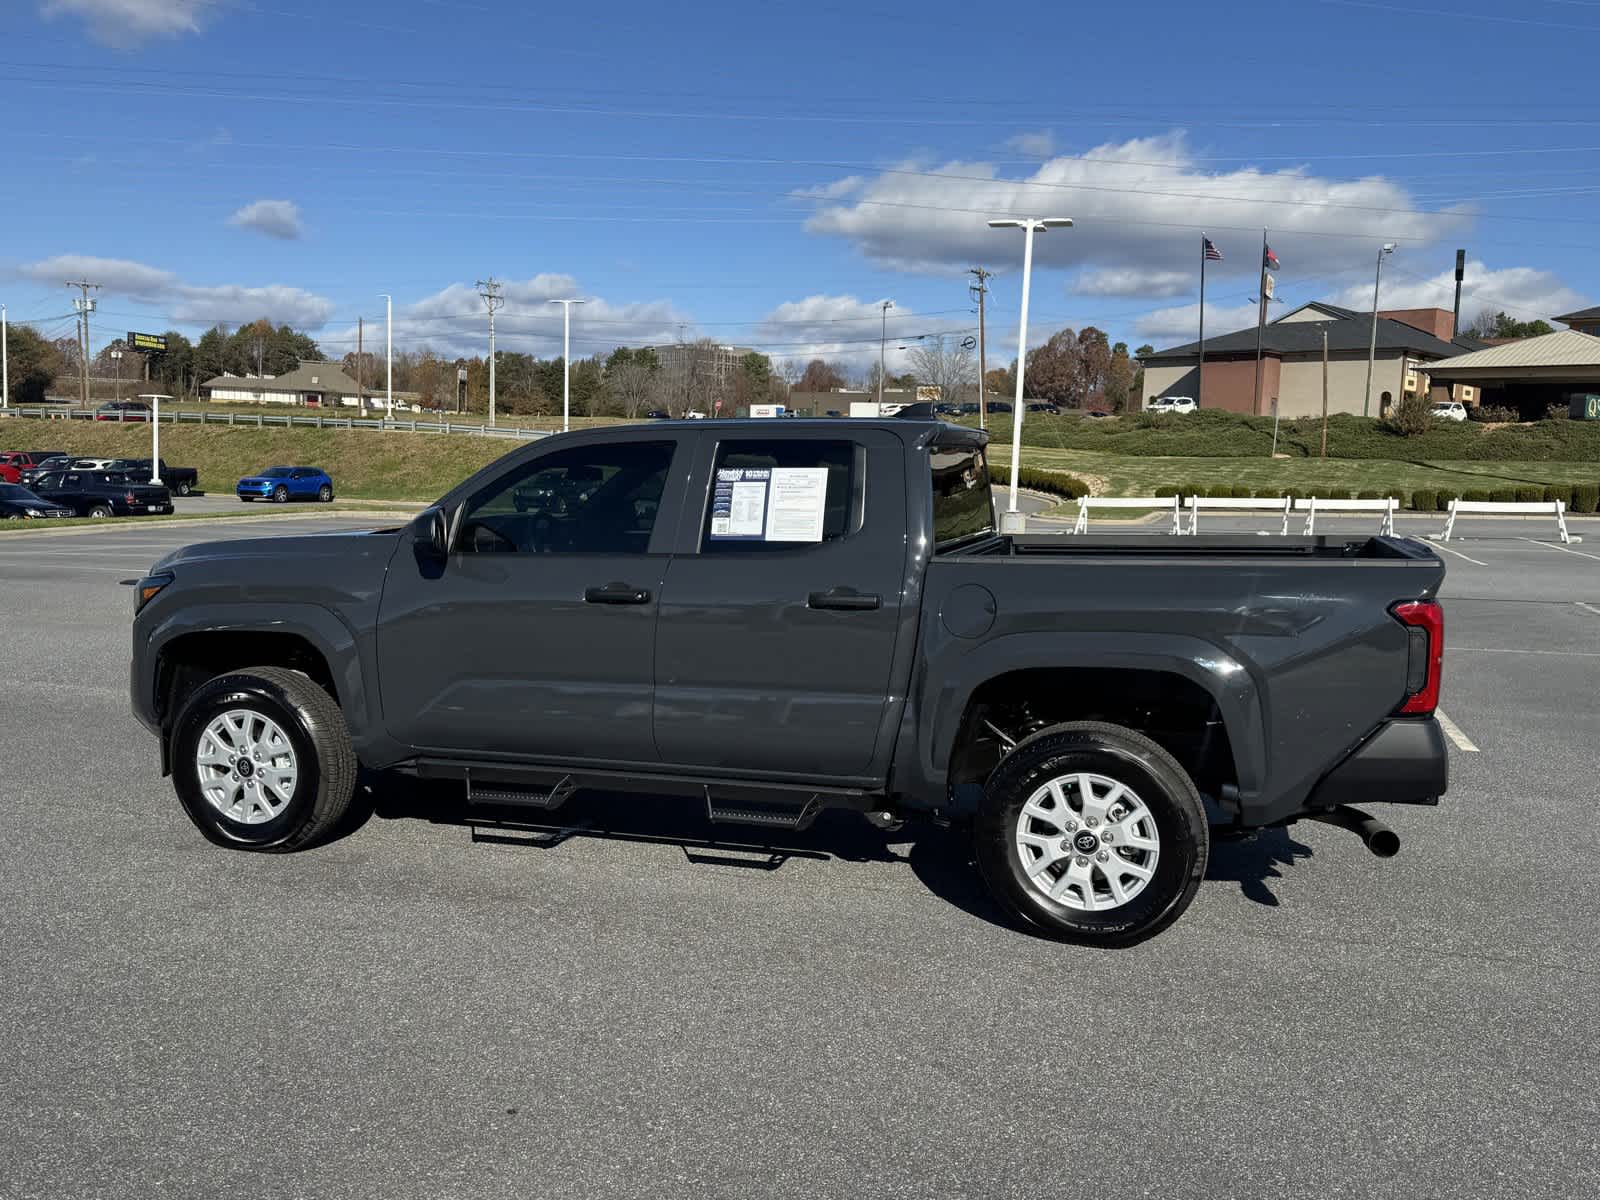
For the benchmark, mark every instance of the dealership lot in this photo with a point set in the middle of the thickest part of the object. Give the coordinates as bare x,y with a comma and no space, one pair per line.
624,1009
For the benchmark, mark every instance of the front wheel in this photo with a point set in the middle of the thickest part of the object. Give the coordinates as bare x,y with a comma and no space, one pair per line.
262,760
1092,833
325,494
280,494
100,511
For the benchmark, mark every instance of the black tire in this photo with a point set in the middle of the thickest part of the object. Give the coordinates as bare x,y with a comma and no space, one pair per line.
325,494
100,510
1128,758
244,499
315,728
280,494
184,489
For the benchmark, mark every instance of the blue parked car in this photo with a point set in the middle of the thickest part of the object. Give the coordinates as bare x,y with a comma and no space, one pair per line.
287,483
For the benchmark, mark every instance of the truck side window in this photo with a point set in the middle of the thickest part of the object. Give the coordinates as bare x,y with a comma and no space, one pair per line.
587,500
837,457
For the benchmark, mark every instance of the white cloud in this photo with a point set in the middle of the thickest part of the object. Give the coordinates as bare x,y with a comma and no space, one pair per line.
126,23
847,329
1132,281
1138,205
836,190
1040,143
453,321
275,218
1522,292
232,304
1181,323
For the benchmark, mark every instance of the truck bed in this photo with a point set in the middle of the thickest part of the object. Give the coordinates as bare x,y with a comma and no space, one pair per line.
1205,546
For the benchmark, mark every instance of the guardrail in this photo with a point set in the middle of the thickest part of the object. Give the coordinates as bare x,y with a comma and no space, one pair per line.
1314,505
1155,502
1543,508
288,420
1195,505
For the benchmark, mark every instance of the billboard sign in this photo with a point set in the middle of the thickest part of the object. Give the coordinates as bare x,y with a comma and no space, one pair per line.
149,343
767,410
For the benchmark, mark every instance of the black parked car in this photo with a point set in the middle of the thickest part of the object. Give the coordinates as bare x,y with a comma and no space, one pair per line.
658,414
17,502
56,462
102,494
179,480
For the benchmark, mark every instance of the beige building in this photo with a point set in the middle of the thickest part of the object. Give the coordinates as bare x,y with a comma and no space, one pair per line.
1291,362
311,384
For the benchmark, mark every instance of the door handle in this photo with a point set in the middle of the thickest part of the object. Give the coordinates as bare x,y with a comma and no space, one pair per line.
616,593
844,600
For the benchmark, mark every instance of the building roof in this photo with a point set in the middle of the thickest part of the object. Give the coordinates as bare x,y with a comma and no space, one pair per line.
1564,349
1347,330
1583,314
307,377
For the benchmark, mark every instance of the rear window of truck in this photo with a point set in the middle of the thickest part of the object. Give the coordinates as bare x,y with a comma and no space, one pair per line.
962,504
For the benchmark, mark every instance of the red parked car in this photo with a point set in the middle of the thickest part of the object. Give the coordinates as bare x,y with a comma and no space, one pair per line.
15,462
122,410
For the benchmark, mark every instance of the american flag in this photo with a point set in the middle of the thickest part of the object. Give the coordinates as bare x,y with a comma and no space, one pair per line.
1211,252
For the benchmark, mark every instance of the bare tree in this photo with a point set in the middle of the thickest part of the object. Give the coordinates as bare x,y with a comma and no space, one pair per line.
944,363
632,384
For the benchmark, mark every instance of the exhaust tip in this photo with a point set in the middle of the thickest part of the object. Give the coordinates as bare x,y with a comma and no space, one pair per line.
1384,842
1374,834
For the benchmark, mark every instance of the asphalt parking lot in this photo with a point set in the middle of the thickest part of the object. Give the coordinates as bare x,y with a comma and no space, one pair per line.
624,1010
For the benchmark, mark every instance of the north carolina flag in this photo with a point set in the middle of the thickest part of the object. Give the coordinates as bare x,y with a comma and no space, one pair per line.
1269,260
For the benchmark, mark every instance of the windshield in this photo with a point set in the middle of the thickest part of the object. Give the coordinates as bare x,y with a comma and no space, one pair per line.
275,473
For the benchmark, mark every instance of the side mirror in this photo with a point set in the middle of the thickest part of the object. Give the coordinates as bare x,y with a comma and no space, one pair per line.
430,532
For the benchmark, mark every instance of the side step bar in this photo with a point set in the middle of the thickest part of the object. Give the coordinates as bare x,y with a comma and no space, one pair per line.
773,817
507,793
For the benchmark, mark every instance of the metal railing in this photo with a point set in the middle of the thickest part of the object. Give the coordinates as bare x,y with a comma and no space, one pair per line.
286,420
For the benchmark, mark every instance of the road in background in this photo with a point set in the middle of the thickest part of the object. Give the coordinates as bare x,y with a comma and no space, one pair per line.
618,1009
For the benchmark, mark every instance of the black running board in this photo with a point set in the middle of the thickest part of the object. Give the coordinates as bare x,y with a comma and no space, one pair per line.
497,792
771,816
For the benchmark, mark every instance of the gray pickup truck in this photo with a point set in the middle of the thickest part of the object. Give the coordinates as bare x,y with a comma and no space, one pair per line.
779,616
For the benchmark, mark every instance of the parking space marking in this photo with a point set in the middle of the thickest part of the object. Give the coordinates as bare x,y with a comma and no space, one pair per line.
1562,549
1587,607
1457,553
1510,650
1453,732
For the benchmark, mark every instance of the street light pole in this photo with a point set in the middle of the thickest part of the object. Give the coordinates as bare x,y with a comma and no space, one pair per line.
388,354
883,337
566,360
1013,521
5,361
1372,343
116,357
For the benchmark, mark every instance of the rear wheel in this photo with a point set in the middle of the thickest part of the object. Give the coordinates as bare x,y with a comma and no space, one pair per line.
280,494
325,494
1092,833
262,760
183,489
99,511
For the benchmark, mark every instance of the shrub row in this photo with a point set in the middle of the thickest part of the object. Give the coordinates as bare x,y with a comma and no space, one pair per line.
1056,483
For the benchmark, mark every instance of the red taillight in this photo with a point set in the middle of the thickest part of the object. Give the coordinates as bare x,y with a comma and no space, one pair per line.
1424,622
131,498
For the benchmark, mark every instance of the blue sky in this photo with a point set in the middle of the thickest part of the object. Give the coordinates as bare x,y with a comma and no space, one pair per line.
766,174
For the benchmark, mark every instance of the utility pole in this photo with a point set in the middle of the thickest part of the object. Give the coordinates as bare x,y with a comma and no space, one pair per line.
566,361
361,394
84,306
883,337
981,291
1324,393
492,300
1372,344
5,361
388,357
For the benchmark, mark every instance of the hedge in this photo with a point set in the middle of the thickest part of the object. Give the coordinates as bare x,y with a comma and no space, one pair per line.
1425,500
1068,487
1529,495
1586,498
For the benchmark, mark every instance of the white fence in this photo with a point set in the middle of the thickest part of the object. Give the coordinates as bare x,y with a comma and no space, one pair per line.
1195,505
297,420
1085,503
1543,508
1314,505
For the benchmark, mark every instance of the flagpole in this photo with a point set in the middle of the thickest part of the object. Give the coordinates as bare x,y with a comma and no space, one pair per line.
1261,320
1200,388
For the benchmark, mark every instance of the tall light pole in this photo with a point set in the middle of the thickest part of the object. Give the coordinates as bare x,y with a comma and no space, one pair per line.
1013,521
388,353
5,362
883,337
1372,343
566,361
116,357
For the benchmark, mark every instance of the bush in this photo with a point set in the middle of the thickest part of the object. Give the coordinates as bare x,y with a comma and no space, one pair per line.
1561,492
1425,500
1240,492
1167,489
1412,416
1055,483
1557,412
1491,412
1586,498
1503,495
1530,495
1477,494
1445,496
1371,495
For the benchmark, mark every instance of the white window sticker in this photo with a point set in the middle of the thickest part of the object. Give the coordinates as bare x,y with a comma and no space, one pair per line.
797,505
739,503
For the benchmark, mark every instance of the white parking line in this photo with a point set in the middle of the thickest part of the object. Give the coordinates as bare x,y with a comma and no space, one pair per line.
1457,553
1587,607
1563,549
1509,650
1453,732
